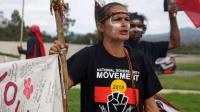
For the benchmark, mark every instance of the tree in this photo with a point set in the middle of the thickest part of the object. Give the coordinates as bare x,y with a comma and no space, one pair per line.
15,18
68,22
14,24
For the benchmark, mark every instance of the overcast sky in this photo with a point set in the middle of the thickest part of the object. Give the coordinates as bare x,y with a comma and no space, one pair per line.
37,12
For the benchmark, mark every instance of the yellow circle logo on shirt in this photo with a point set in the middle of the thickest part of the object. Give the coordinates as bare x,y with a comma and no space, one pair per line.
118,85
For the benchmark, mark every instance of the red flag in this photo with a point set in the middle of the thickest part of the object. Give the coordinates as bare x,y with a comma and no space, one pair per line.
192,9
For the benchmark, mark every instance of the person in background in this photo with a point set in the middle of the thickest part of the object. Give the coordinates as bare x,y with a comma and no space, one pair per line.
108,72
35,45
153,50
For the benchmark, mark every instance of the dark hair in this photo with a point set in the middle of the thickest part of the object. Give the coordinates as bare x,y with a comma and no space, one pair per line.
103,12
102,15
142,18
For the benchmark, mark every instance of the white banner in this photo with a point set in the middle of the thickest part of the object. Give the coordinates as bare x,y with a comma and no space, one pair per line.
31,86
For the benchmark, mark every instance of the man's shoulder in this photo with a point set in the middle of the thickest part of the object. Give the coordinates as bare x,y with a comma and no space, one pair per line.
88,50
153,42
156,44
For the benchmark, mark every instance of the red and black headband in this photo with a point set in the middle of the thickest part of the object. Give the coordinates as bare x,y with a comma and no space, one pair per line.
112,14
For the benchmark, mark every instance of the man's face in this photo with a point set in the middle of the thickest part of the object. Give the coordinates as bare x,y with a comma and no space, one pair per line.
136,29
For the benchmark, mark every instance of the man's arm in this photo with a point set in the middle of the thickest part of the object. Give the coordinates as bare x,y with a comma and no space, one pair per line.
150,105
174,30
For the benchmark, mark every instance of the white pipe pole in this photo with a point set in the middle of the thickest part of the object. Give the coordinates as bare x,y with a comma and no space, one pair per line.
22,23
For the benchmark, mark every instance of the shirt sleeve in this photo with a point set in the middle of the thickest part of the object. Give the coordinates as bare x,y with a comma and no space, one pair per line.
156,49
77,65
160,49
150,80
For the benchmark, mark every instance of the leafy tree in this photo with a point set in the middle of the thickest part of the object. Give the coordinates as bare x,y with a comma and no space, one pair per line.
12,31
68,22
15,26
15,18
89,38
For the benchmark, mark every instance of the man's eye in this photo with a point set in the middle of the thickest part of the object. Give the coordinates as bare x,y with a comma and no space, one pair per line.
127,19
117,19
139,26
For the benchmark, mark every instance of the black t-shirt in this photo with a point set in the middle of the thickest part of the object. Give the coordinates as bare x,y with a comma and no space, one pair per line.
106,84
152,50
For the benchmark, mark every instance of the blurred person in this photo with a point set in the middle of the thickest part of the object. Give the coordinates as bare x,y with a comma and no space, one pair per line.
108,72
35,45
153,50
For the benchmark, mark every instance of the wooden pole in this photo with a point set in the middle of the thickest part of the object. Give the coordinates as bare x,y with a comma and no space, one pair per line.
60,37
22,23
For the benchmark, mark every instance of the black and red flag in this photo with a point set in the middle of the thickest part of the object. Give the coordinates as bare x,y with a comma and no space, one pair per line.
192,9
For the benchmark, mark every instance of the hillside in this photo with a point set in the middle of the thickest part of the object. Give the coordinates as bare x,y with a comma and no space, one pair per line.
188,35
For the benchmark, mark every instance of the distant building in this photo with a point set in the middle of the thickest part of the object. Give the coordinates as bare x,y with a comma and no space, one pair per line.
3,21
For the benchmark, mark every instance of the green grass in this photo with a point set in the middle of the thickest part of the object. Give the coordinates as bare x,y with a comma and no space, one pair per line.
178,82
188,67
74,100
185,102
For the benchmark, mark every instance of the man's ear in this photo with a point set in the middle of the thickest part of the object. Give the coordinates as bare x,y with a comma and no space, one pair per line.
100,27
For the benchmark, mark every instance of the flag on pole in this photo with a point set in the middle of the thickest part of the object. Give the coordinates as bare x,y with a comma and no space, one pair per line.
166,3
192,9
31,85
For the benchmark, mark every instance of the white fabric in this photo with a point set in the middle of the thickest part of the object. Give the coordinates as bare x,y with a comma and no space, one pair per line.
166,107
31,85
